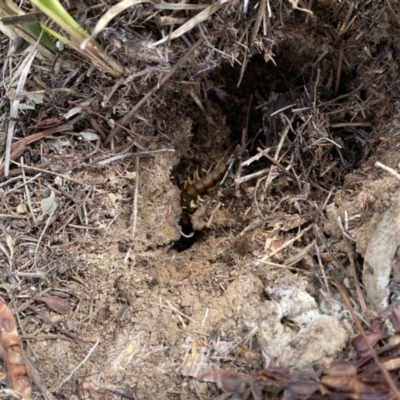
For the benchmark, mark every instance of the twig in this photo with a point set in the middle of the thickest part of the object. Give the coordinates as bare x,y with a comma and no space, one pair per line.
135,199
65,177
260,15
339,70
388,169
53,324
286,244
340,225
15,216
174,309
279,165
197,19
17,187
288,174
210,220
346,124
49,220
353,270
139,104
28,197
138,154
324,276
11,180
78,366
251,176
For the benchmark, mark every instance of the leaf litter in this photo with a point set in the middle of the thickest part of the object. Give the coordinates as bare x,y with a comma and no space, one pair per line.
290,286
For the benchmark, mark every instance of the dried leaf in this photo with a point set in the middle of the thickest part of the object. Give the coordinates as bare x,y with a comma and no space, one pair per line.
58,181
48,206
22,208
89,136
57,304
35,98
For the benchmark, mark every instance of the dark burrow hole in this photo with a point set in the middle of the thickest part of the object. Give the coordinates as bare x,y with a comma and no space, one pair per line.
254,105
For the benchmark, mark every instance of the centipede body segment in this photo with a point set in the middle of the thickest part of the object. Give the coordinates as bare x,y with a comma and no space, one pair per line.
193,190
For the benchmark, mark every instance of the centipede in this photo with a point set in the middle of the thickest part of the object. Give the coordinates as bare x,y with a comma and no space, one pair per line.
193,189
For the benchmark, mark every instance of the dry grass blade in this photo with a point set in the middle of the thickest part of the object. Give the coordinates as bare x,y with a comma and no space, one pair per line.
295,5
200,17
123,5
23,74
110,14
260,16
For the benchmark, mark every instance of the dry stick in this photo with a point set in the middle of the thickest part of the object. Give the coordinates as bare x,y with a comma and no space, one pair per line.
278,164
388,169
246,58
286,244
16,173
315,89
128,155
135,199
79,365
37,380
53,324
139,104
353,270
251,176
44,337
260,16
278,150
48,222
243,144
25,358
28,197
65,177
240,167
324,276
372,351
339,69
17,187
287,173
257,23
15,216
346,124
173,308
215,210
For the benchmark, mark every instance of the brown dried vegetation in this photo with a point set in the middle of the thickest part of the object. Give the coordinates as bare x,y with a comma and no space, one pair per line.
295,251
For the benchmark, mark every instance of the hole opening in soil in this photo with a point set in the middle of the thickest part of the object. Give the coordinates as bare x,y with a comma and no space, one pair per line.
252,111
